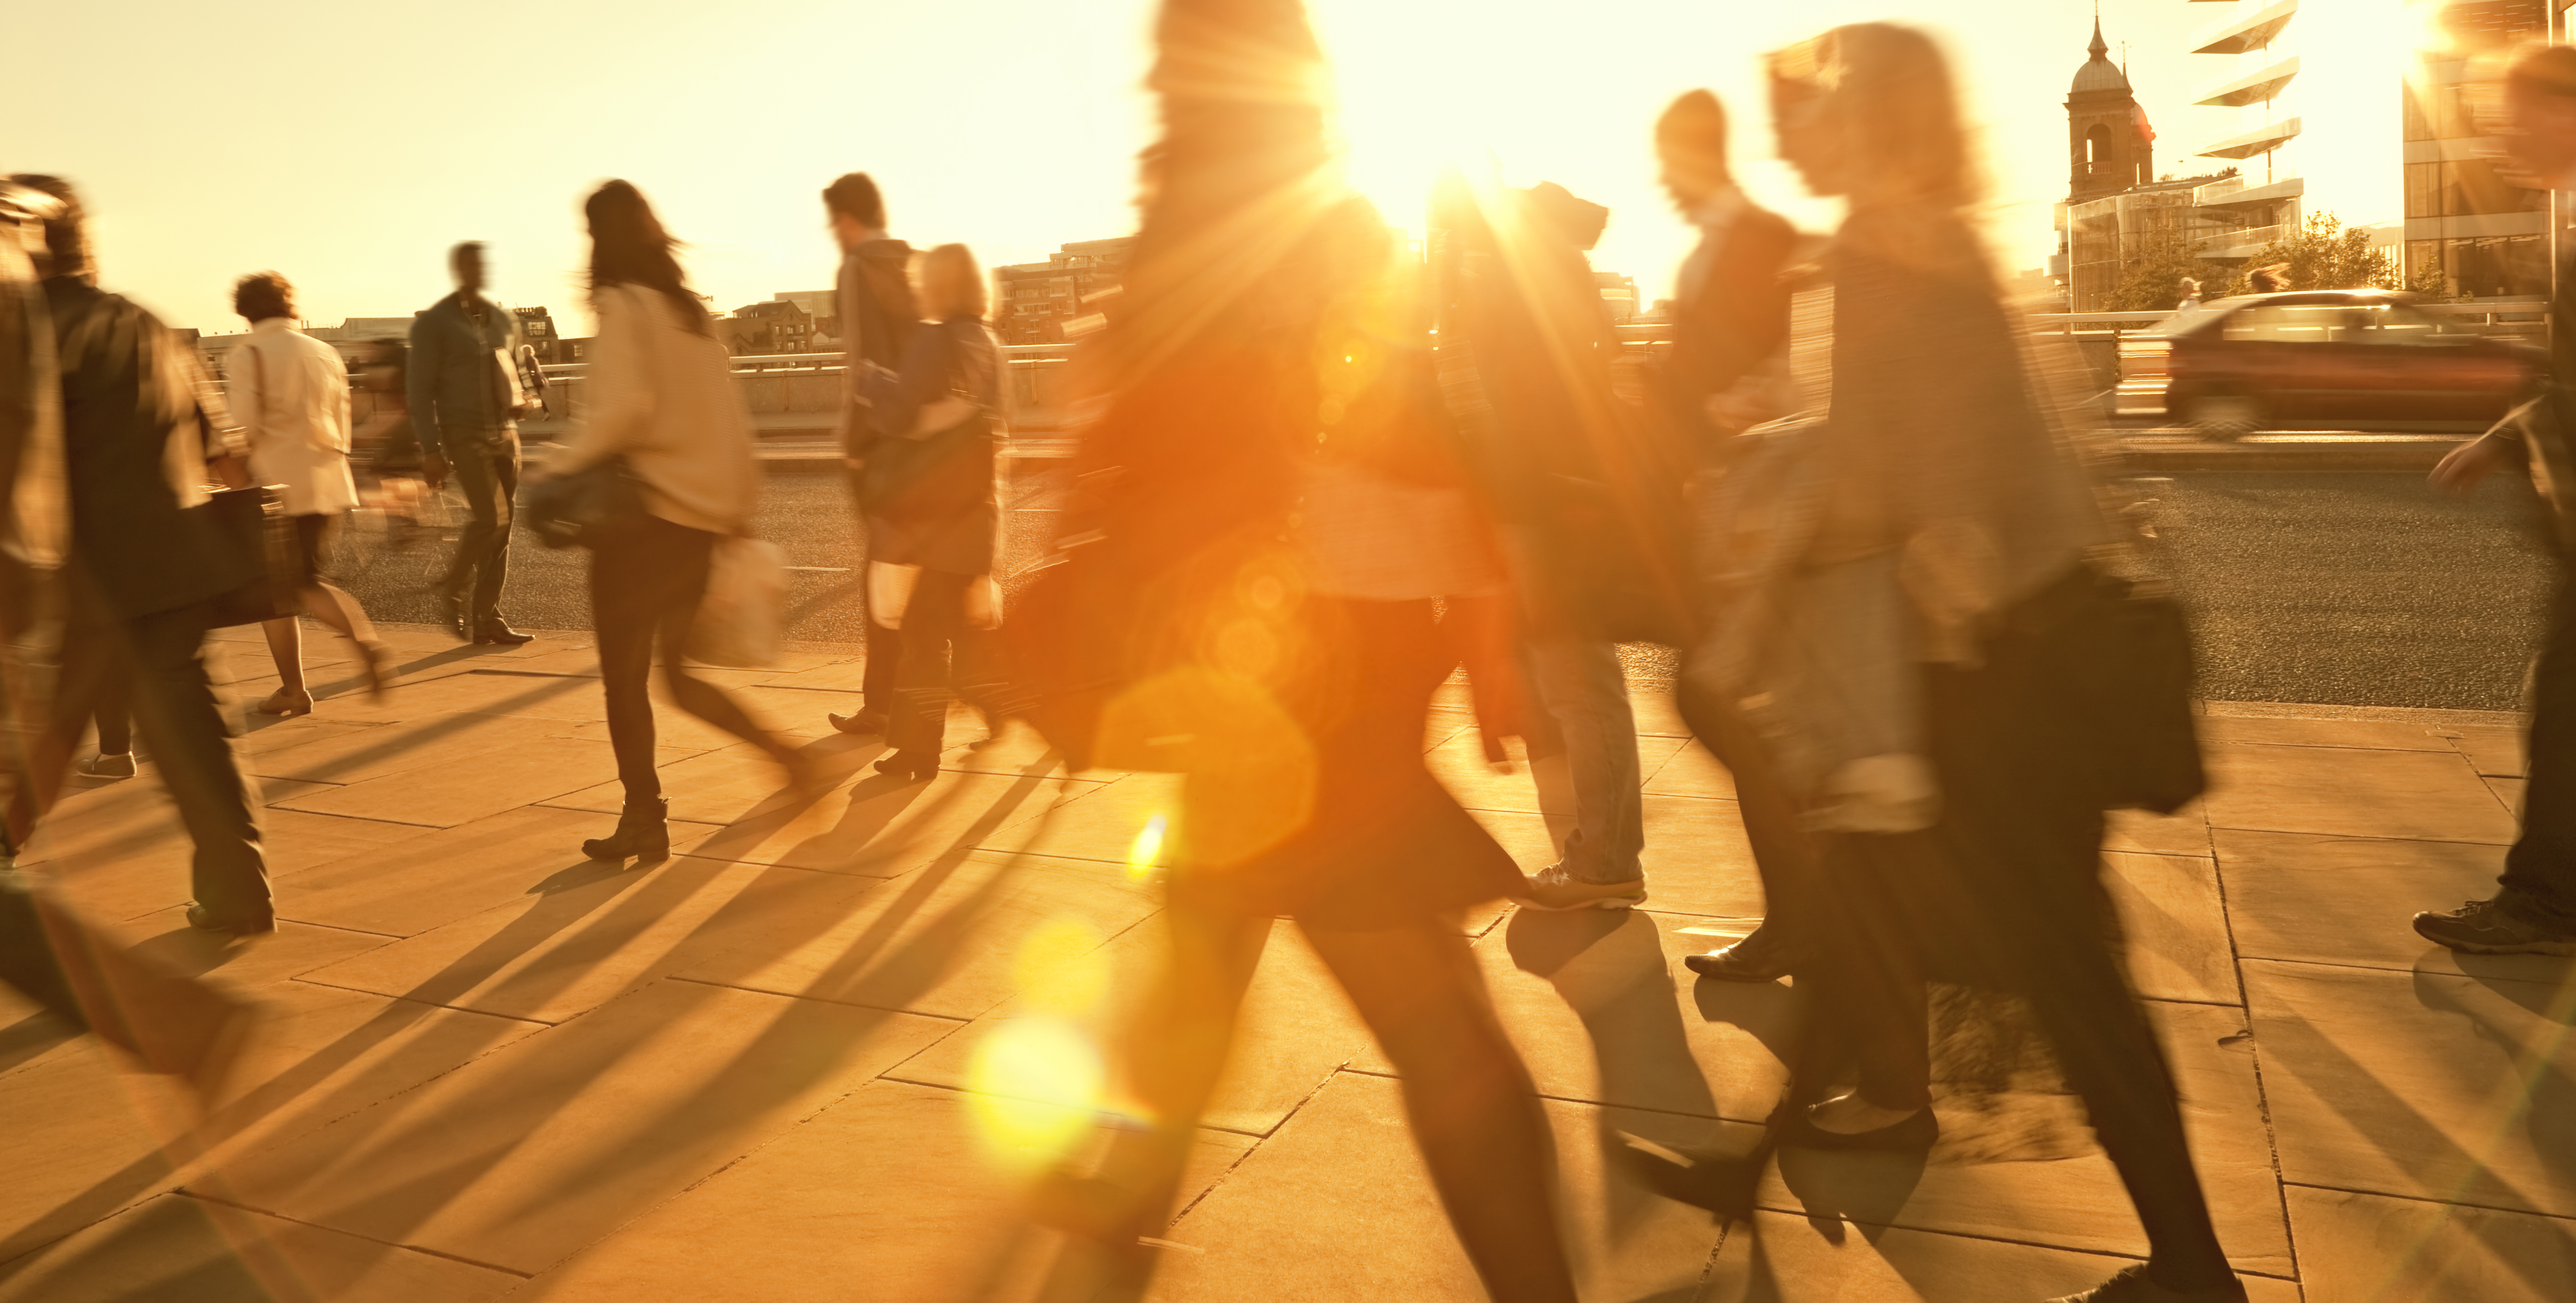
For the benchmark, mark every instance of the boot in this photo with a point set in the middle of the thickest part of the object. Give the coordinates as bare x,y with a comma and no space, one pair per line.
642,835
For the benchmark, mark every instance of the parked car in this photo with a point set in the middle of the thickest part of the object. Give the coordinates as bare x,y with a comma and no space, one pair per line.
2231,366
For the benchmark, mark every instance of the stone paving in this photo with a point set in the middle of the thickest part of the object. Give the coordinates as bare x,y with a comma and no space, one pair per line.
812,1056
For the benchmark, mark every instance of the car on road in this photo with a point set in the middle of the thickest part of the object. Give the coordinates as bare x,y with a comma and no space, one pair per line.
2306,357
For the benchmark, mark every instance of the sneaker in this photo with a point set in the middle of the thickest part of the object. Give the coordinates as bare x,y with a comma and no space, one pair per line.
1554,889
2133,1285
2483,927
102,765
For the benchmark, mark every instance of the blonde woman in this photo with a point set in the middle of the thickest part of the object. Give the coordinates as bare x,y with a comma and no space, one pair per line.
290,392
933,508
1907,602
663,399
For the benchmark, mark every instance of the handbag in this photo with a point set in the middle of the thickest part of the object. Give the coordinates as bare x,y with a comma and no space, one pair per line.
2124,664
582,509
252,525
741,615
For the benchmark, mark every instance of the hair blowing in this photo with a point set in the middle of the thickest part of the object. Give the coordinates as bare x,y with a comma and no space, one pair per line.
629,247
67,232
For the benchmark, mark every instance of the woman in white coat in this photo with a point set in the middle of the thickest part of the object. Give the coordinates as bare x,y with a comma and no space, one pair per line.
290,392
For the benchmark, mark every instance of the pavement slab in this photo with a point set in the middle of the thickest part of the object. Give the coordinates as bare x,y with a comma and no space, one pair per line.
354,753
177,1247
1777,1258
595,933
2346,900
466,788
1689,771
484,690
2367,1248
953,939
2494,752
898,1192
1337,1206
880,825
532,1152
2175,924
142,866
2353,792
2422,1085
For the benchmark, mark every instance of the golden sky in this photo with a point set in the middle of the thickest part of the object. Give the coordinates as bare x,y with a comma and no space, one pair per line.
348,145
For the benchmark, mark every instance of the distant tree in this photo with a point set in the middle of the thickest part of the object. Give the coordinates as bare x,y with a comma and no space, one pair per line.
2430,284
2321,255
2153,282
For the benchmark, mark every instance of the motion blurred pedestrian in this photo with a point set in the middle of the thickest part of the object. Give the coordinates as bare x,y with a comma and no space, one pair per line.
1526,350
878,318
290,392
2190,295
1275,519
2534,908
145,570
933,506
1908,598
663,402
466,401
1730,315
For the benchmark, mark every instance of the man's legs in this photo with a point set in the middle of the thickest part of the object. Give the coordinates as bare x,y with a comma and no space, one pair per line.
2534,909
183,723
1584,689
1783,854
486,469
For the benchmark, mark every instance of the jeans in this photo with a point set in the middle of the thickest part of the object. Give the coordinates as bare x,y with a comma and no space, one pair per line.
645,585
2539,881
884,646
183,723
485,466
1585,690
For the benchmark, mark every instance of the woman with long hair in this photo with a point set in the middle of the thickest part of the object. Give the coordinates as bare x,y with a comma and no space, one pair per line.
933,505
662,399
1264,484
1906,581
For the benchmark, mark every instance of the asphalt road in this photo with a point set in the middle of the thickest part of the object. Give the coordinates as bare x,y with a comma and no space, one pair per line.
2355,588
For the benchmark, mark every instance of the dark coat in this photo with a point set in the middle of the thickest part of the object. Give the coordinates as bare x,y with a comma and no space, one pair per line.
877,322
456,384
930,495
1731,322
133,457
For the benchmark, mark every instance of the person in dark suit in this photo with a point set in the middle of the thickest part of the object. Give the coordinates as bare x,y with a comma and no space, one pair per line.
143,571
1730,316
877,321
465,405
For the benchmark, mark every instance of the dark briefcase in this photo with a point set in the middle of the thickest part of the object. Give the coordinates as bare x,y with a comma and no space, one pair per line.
252,524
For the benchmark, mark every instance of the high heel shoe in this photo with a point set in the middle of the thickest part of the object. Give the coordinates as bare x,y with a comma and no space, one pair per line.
643,835
919,766
288,702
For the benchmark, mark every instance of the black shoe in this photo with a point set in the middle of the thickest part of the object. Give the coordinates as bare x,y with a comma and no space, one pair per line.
2482,927
499,632
860,723
204,921
1916,1133
643,835
920,766
1761,957
2133,1285
451,614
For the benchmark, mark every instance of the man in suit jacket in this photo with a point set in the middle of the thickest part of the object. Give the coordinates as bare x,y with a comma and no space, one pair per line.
877,320
1730,318
143,571
465,406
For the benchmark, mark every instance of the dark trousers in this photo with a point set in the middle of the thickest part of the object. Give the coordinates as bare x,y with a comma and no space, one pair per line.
884,646
116,709
182,721
2006,892
1783,853
485,467
645,585
2539,881
941,657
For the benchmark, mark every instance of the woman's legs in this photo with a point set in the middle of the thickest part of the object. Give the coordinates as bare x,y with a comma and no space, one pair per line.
683,557
934,622
1474,1111
115,707
623,574
286,647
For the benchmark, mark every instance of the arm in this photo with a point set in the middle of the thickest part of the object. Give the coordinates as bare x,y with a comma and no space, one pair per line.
896,398
421,383
621,387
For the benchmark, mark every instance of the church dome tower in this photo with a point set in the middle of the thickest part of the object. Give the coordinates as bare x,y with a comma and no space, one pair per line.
2108,149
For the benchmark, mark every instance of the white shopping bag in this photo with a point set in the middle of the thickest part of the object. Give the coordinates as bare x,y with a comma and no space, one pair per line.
738,620
889,591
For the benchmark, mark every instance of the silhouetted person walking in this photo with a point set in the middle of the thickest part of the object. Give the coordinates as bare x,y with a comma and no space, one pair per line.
662,398
465,407
877,321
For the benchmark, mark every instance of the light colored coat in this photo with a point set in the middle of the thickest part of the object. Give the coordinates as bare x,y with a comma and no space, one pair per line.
290,392
662,396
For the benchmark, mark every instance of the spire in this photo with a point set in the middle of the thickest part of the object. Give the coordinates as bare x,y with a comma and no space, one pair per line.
2099,47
